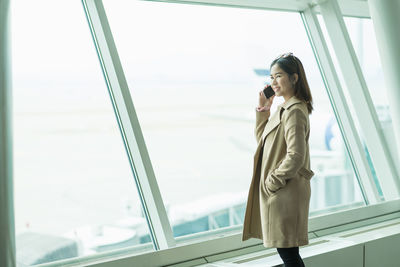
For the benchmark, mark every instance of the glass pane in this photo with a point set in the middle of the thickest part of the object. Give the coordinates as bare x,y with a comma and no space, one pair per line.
74,189
194,79
362,36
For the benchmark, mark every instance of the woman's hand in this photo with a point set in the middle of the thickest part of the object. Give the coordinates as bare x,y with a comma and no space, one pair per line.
264,103
267,188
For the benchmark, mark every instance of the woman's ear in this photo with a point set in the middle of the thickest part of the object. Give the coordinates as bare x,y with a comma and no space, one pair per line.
295,78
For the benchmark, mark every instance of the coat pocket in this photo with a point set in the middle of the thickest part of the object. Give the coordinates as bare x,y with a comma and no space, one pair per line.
306,173
266,180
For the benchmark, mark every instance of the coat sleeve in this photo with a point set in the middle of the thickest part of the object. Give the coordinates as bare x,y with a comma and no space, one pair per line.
295,137
261,120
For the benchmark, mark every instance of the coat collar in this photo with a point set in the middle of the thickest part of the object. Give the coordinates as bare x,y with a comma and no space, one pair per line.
275,119
291,101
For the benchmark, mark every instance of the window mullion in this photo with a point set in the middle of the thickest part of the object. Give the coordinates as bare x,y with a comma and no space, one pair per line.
7,221
153,206
343,116
361,99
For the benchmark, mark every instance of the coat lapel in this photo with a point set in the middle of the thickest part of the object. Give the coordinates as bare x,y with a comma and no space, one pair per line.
276,118
272,124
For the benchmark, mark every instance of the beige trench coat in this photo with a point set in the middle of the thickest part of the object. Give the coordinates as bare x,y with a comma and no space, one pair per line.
279,194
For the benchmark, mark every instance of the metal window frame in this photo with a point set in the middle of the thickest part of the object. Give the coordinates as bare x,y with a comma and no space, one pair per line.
352,8
361,99
354,144
138,156
7,221
339,103
141,165
229,244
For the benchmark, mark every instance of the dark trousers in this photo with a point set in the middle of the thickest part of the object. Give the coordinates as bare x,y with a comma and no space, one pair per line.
291,257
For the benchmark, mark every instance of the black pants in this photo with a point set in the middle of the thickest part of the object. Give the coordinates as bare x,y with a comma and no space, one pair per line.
290,257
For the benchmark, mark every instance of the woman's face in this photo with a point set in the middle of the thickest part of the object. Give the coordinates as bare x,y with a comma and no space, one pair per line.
280,82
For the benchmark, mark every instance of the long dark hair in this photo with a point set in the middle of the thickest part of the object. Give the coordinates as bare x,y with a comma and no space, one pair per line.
291,65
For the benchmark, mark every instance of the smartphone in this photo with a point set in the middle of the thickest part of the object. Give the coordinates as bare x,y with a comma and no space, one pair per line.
268,92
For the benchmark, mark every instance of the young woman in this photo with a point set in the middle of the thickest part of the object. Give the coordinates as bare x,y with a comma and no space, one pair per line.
279,195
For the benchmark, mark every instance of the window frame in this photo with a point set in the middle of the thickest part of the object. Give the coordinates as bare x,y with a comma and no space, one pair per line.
308,13
361,100
7,220
228,244
149,193
166,249
339,104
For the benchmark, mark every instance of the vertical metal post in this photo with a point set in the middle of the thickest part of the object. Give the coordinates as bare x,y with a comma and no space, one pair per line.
7,232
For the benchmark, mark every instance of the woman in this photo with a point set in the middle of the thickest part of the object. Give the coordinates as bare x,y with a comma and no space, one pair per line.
279,195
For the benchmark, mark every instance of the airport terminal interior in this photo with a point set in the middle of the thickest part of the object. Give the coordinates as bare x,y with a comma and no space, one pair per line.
128,131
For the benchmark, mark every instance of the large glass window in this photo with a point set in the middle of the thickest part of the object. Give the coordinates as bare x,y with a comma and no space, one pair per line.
74,189
194,73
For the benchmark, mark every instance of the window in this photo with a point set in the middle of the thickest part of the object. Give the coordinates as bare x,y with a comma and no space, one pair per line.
194,79
363,37
74,190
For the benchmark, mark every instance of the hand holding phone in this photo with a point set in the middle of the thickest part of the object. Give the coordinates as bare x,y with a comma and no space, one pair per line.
266,97
268,91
